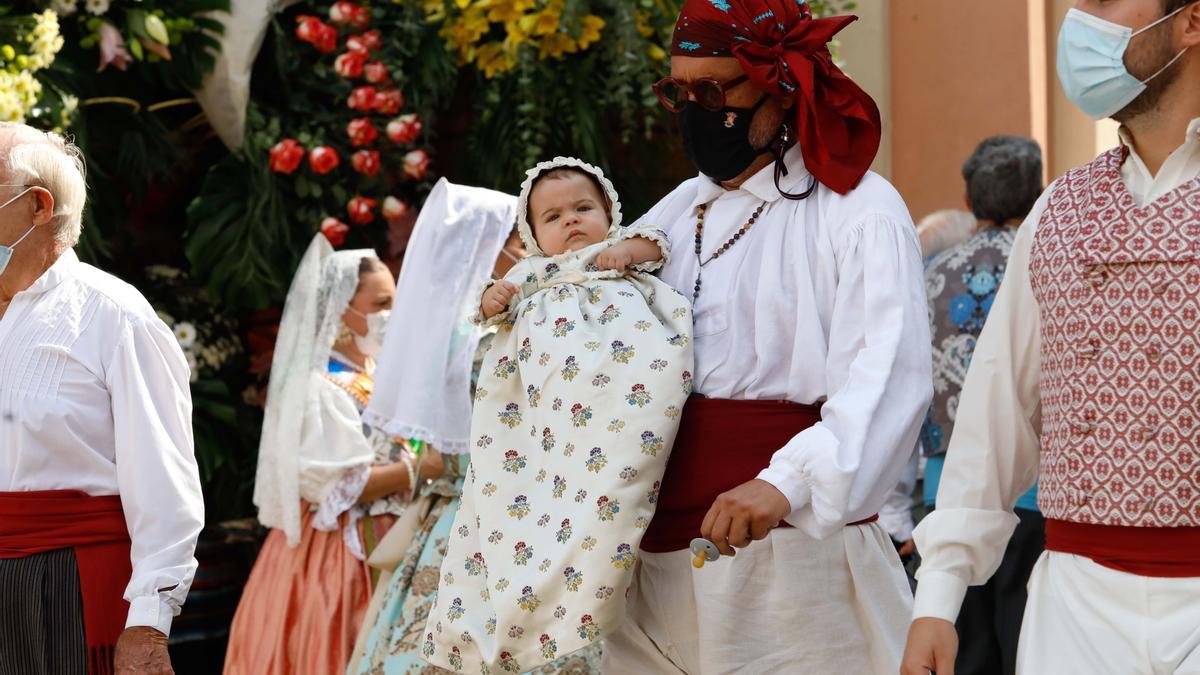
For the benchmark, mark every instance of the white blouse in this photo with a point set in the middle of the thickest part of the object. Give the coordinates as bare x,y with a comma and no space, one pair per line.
95,396
994,451
821,301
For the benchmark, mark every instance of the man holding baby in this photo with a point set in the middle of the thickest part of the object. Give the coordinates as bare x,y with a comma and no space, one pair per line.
812,371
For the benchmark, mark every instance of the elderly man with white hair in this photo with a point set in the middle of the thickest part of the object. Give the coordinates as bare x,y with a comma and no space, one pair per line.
100,503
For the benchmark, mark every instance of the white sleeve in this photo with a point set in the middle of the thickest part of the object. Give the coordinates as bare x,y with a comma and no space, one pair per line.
842,469
895,516
332,441
149,387
654,234
993,454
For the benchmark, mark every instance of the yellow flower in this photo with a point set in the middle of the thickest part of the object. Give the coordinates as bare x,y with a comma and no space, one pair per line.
556,45
657,53
592,25
493,58
504,11
640,17
546,21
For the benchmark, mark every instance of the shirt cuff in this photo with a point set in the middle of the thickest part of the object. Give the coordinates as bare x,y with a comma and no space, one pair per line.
798,493
153,611
939,595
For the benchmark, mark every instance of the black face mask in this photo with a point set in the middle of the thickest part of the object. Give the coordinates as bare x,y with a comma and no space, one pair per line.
718,141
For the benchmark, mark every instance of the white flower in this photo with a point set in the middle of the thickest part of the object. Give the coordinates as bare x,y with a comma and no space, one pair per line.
64,7
97,7
185,333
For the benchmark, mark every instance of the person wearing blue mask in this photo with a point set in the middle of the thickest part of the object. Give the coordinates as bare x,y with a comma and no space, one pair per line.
100,503
1086,379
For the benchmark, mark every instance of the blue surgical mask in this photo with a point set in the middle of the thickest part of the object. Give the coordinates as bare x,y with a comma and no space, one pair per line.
1091,63
6,252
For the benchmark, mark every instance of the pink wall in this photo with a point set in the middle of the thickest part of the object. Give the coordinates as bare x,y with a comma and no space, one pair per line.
962,70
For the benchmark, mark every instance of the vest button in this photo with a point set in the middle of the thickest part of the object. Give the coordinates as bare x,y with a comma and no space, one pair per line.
1148,432
1083,427
1153,354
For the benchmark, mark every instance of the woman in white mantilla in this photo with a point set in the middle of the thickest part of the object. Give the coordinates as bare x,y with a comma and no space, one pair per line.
327,485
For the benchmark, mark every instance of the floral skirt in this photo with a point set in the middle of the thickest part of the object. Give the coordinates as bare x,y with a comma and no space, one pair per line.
394,643
302,607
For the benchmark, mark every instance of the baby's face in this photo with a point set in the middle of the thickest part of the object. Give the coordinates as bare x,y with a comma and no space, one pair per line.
567,214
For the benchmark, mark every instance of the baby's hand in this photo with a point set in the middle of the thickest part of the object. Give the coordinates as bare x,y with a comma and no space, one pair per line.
497,297
616,257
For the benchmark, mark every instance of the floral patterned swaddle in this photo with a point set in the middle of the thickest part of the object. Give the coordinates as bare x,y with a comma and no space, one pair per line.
577,407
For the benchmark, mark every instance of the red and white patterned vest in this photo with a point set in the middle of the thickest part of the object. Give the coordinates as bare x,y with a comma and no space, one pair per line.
1118,291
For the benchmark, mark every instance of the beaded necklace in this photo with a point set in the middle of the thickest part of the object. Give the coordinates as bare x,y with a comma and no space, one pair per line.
722,248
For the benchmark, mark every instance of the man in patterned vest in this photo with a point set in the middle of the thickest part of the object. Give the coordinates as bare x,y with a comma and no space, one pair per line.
1089,367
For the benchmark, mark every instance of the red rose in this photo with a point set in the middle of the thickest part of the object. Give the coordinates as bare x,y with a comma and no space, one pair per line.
376,72
286,156
416,163
356,45
372,39
322,160
362,133
389,101
308,28
362,99
342,12
326,40
361,210
404,129
366,162
349,65
360,17
394,209
334,230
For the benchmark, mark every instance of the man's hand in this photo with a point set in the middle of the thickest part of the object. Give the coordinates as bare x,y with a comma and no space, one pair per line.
932,646
497,297
744,514
616,257
141,650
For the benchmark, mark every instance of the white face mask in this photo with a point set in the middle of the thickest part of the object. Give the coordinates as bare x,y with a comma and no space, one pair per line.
377,322
1091,63
6,252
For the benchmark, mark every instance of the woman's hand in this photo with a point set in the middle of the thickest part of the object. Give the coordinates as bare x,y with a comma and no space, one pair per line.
432,467
496,298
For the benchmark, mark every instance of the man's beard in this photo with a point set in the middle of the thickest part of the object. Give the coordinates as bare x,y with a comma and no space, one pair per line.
1143,65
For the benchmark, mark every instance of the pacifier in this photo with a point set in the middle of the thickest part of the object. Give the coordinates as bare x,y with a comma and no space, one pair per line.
703,551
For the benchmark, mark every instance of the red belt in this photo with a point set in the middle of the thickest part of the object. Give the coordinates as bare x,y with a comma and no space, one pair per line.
1144,551
721,444
39,522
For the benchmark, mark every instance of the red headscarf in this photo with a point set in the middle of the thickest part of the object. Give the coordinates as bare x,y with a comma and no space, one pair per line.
785,52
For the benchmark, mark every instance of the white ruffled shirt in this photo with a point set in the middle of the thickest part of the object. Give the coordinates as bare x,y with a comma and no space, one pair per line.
95,396
994,451
822,301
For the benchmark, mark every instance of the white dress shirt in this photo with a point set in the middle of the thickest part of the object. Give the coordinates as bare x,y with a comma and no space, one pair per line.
95,396
994,450
822,301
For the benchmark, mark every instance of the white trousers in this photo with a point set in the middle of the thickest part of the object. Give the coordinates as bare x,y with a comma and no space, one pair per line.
787,604
1085,618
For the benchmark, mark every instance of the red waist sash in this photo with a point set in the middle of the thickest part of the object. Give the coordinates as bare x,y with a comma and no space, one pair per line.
721,444
39,522
1144,551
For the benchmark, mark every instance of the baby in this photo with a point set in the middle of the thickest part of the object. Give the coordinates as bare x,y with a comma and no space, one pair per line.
570,211
574,417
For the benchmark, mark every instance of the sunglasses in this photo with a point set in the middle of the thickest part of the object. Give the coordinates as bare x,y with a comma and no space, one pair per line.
708,93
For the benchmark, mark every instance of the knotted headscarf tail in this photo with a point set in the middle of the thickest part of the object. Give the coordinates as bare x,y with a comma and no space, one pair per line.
785,52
